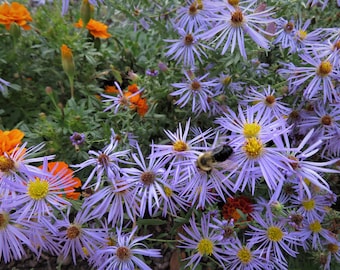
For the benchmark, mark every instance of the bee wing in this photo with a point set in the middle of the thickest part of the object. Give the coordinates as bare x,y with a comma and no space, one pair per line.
228,165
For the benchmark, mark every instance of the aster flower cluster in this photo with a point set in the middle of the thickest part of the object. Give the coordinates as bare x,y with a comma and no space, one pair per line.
225,157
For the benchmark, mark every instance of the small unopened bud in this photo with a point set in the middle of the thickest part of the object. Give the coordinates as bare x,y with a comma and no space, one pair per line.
48,90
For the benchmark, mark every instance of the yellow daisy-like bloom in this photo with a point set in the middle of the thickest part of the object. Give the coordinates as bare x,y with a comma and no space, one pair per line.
14,13
97,29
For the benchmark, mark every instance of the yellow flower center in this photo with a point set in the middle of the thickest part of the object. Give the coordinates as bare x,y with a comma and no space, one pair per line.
237,18
38,189
6,164
180,146
4,219
309,205
251,130
73,232
244,255
315,227
302,34
274,233
168,191
253,147
205,246
324,68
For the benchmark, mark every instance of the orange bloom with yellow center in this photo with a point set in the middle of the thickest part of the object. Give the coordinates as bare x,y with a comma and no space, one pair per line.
61,168
97,29
14,13
9,140
242,203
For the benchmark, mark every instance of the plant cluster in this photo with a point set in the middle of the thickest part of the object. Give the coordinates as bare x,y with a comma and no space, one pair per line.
204,129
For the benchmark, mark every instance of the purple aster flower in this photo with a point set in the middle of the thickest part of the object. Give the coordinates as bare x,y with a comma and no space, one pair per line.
105,162
318,76
19,163
312,233
77,138
193,16
3,87
272,238
249,123
187,48
126,253
39,195
120,100
202,240
311,208
325,121
332,248
149,180
267,103
183,145
13,235
244,257
226,230
225,82
80,237
233,23
285,34
195,90
114,201
300,168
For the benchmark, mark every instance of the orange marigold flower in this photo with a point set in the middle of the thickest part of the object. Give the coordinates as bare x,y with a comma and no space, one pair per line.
14,13
111,89
133,99
241,203
9,140
142,107
61,168
133,88
97,29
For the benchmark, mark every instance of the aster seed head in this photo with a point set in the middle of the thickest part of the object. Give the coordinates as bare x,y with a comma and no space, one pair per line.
289,27
333,248
195,86
73,232
234,2
326,120
189,39
104,160
123,253
148,178
237,18
6,164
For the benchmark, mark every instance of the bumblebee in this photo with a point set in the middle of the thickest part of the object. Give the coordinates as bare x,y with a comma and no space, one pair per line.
207,160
